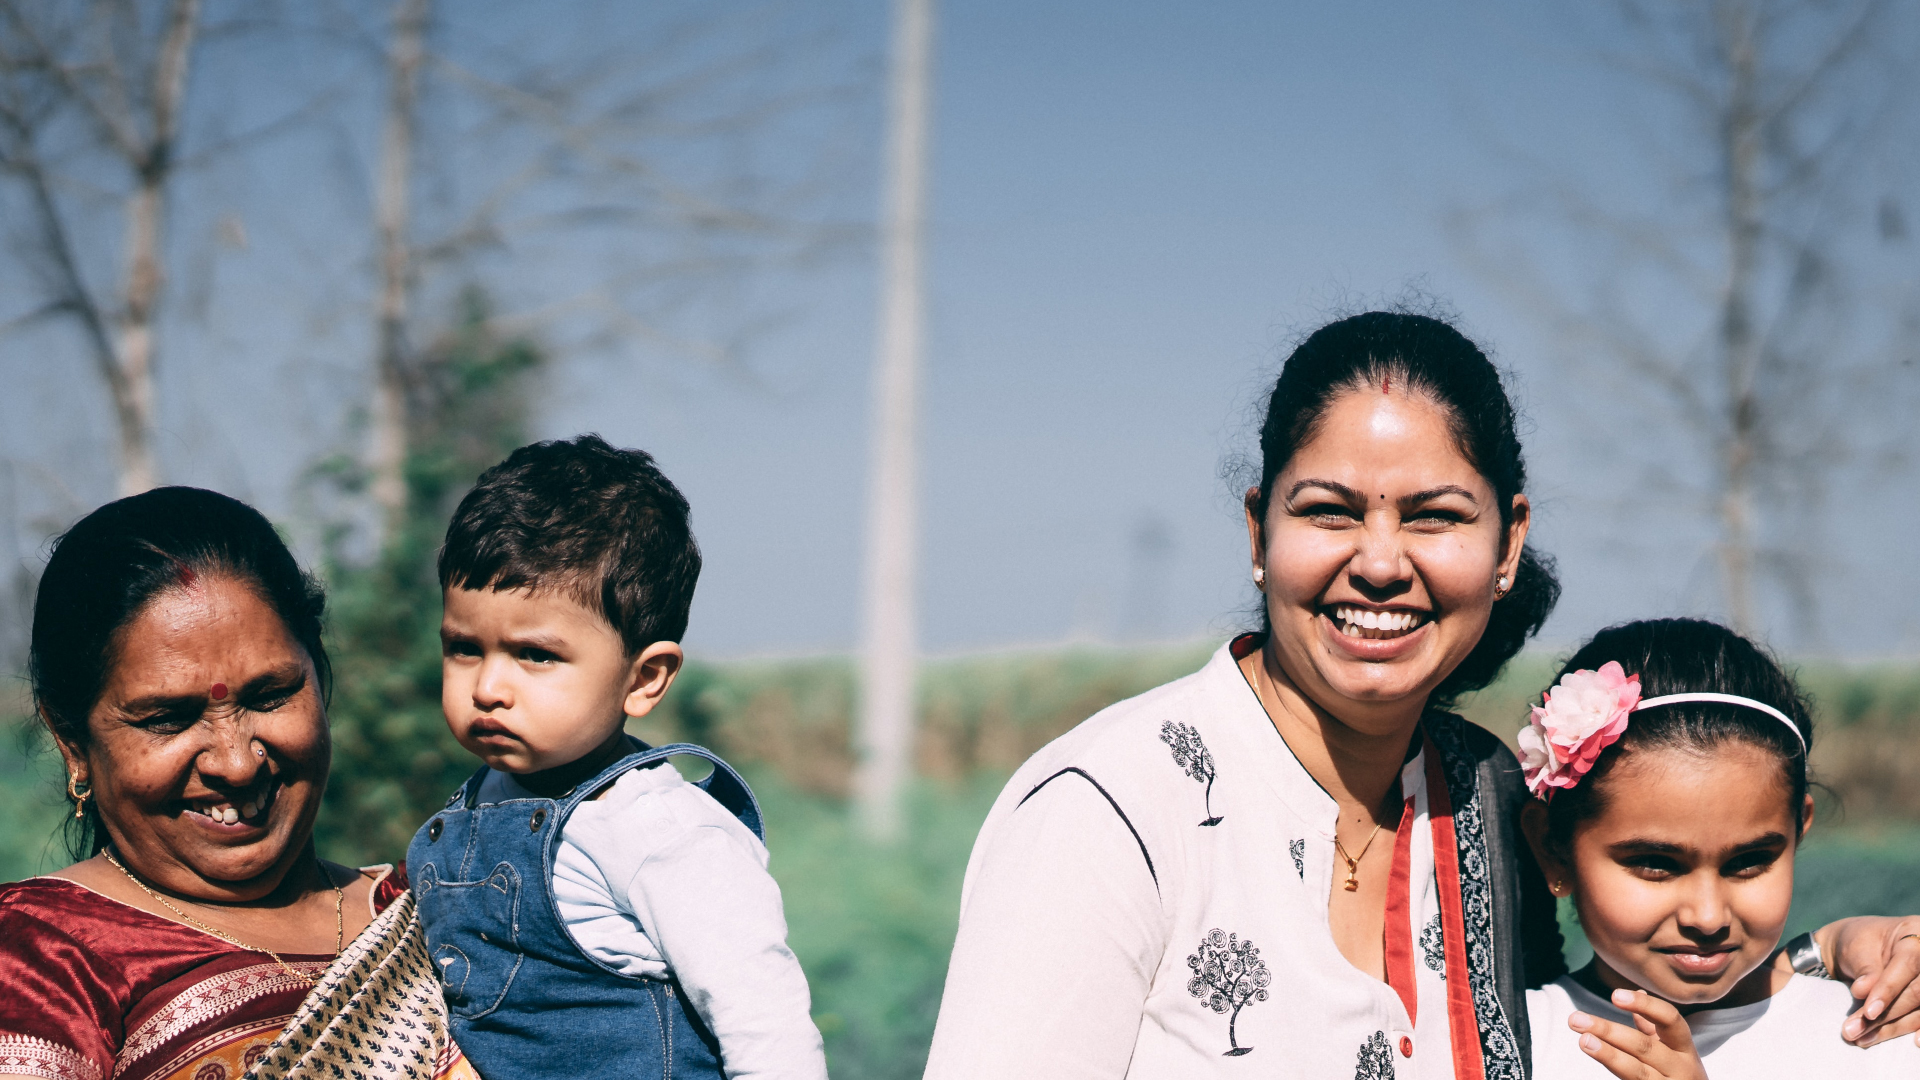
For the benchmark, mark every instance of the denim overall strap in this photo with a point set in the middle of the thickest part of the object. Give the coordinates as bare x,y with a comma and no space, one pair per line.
525,1002
724,784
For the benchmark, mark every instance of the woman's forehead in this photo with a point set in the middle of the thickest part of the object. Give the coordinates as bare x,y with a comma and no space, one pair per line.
1404,439
216,621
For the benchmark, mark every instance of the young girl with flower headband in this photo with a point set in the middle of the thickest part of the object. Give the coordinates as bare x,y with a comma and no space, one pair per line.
1669,769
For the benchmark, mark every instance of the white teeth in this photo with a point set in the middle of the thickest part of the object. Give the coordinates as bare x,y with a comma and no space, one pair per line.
229,815
1357,621
249,810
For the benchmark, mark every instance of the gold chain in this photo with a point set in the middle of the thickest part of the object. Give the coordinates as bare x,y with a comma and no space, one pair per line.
339,919
1352,884
1353,861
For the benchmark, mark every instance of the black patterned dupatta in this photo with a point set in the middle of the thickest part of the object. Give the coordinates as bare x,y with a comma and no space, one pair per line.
1484,1005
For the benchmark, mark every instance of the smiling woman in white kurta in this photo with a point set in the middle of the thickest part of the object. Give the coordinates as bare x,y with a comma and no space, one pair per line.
1387,535
1182,858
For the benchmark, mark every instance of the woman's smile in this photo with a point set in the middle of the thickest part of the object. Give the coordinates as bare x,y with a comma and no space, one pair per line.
1386,624
236,814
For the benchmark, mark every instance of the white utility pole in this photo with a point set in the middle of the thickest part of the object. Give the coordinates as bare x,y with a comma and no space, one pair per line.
891,644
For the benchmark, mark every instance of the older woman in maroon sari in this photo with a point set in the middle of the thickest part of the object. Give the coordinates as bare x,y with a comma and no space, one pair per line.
177,664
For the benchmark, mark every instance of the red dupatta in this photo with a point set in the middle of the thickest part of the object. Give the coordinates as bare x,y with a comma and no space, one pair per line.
1462,1018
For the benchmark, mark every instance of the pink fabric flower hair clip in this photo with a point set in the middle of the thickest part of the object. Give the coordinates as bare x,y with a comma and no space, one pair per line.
1583,714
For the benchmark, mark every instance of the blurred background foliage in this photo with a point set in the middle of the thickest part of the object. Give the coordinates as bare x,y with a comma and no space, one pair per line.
392,758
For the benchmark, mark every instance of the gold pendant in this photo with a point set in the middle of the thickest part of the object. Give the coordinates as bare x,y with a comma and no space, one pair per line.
1353,884
1353,875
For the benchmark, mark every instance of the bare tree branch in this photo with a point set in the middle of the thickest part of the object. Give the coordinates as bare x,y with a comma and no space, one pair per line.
1769,108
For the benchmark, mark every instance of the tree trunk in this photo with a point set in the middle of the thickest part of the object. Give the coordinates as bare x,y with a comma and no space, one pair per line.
132,382
1739,339
1234,1049
388,450
890,647
1208,801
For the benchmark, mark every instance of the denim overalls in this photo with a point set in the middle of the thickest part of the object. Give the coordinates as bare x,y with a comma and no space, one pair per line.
524,1002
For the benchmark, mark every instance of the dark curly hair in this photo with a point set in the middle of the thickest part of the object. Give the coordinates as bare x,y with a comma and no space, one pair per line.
1426,355
602,523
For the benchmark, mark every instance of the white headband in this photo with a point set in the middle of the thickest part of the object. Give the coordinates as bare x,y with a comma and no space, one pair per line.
1728,699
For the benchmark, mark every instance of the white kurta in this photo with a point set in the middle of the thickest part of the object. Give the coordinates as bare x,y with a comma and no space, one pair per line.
1133,911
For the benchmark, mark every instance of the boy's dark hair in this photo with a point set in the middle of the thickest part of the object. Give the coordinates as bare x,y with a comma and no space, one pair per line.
577,514
1682,656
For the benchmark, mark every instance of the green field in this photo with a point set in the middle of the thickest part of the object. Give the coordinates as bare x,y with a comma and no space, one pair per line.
873,924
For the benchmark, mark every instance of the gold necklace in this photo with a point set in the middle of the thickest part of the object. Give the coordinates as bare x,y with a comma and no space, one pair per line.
1352,883
1353,861
339,919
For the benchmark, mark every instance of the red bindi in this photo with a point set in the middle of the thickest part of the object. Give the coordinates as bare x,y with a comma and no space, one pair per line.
1386,384
219,691
186,577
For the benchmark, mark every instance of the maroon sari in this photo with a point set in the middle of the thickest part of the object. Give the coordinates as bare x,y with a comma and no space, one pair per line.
97,990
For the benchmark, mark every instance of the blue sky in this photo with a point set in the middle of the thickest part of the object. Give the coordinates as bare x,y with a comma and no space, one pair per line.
1135,207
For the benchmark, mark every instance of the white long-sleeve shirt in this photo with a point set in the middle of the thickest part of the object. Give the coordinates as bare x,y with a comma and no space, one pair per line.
655,878
1793,1035
1113,895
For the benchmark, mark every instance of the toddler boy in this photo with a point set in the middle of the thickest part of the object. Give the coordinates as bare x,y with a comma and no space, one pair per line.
590,912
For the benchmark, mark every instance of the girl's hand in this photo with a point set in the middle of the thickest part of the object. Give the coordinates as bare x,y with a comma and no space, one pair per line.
1880,956
1658,1047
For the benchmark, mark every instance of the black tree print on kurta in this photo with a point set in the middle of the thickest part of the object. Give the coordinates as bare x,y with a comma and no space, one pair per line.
1228,974
1376,1059
1432,946
1298,849
1193,758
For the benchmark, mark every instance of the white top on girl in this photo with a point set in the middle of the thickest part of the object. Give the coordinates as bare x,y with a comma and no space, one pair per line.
1793,1035
1148,898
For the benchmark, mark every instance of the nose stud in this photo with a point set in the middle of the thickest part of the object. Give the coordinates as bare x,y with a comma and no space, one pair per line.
258,750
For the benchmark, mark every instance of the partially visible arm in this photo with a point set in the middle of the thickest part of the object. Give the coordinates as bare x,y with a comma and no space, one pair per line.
60,1006
1059,939
710,907
1880,956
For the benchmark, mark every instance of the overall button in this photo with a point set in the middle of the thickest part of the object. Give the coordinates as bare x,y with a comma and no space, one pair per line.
539,819
1406,1046
433,830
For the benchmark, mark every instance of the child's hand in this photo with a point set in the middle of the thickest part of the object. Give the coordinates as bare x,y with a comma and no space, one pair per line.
1658,1047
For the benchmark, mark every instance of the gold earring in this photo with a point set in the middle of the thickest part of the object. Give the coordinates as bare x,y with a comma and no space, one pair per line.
1500,587
1260,577
79,797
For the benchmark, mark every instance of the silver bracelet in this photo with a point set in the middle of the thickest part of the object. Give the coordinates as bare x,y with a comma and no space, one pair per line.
1804,954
